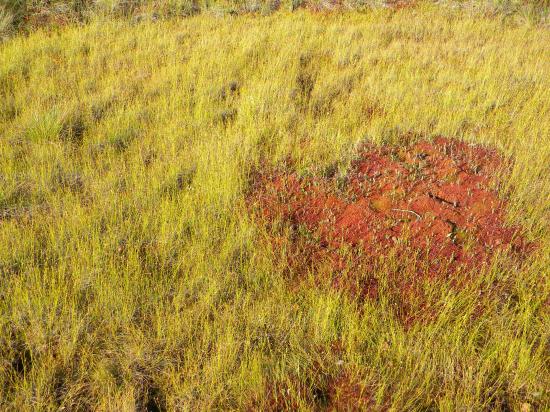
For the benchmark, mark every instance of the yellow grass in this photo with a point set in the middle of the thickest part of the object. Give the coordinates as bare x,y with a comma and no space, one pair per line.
131,273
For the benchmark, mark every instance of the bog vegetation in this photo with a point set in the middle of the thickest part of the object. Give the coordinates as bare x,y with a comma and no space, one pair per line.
134,273
25,15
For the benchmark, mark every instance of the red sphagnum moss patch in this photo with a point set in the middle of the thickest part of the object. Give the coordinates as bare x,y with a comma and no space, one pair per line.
335,392
428,210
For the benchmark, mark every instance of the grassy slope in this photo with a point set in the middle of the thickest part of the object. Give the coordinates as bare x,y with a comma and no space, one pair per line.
130,269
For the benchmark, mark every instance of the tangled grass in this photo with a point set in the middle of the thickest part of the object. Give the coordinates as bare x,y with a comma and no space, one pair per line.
132,275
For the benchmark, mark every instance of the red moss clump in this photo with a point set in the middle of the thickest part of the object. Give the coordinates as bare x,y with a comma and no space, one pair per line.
347,394
338,392
431,206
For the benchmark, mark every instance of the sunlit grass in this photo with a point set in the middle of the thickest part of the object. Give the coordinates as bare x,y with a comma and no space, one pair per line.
132,273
